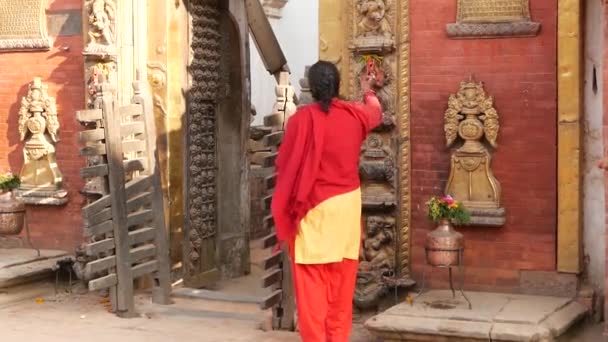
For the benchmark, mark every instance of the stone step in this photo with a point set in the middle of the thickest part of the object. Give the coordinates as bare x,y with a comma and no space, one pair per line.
437,316
21,266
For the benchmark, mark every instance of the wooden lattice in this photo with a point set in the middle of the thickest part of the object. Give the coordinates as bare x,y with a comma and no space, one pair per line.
126,227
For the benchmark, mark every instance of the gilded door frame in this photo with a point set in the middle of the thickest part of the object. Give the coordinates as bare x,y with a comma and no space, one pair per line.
337,20
569,135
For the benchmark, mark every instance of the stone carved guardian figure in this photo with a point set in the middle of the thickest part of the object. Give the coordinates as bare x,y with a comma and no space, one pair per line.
38,127
373,18
472,120
373,32
101,15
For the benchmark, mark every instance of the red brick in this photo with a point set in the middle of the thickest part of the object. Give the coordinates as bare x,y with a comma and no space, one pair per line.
521,76
62,72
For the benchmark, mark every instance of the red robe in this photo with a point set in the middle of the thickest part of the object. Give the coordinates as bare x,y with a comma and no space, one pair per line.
299,158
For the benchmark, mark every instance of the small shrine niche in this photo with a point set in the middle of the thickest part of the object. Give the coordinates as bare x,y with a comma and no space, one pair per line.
492,19
41,179
471,125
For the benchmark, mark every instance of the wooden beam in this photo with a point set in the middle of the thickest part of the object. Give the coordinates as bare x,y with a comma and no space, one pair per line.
94,171
95,207
89,115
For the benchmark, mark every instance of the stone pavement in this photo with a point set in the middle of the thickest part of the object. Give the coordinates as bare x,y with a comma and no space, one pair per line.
436,316
21,265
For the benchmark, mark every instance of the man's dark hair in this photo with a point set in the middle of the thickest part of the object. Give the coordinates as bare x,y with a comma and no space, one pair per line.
324,80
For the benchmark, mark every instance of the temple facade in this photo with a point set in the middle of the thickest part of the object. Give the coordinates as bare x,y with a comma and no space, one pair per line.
498,103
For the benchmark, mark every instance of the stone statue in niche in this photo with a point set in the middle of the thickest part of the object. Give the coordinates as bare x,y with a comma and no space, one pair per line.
101,30
41,179
374,31
377,260
472,121
378,252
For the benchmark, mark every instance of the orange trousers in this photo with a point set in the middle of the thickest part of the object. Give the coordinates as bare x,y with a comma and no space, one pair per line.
324,297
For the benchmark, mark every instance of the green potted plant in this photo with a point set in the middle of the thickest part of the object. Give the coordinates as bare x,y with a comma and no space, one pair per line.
444,244
12,210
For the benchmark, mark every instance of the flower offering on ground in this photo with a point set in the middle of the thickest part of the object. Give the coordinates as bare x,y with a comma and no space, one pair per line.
440,208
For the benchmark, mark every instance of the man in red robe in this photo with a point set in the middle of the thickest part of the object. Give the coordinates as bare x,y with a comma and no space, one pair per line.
317,201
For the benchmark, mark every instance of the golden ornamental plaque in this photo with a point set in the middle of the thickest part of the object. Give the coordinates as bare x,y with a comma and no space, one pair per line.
23,25
492,18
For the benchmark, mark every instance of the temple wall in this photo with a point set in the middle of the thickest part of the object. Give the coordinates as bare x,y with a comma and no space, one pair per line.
520,73
61,69
594,199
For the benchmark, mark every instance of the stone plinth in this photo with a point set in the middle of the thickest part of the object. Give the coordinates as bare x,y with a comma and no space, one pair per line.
436,316
42,197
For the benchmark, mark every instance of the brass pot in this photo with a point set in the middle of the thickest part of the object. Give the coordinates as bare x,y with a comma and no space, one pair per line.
12,214
443,245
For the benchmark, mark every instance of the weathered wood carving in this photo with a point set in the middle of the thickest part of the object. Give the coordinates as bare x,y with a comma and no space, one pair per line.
23,25
200,259
469,119
41,179
492,18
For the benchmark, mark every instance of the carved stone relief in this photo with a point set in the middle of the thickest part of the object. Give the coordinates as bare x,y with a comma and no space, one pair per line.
372,27
101,28
472,121
374,30
41,179
23,25
492,18
108,69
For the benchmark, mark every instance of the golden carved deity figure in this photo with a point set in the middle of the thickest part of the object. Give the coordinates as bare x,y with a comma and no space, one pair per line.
101,15
471,121
373,18
38,127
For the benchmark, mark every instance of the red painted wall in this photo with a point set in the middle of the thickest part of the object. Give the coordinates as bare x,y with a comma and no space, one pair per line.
520,73
62,71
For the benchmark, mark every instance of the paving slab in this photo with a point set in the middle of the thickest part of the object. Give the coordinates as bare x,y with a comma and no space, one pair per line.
20,265
495,316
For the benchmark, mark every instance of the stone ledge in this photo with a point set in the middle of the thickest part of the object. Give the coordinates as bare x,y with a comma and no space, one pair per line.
42,197
492,30
495,316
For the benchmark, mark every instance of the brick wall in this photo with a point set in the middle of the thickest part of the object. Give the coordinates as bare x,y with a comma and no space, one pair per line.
521,75
62,71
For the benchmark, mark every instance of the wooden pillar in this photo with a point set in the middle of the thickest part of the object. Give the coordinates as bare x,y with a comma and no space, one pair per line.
569,113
